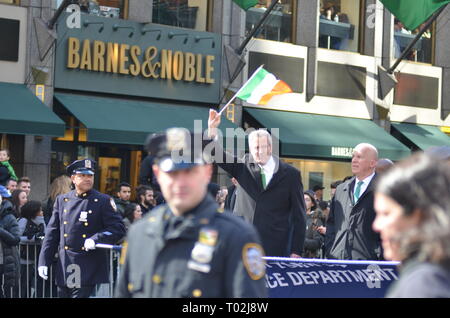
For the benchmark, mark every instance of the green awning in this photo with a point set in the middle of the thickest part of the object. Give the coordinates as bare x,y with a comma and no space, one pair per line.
113,120
320,136
422,136
23,113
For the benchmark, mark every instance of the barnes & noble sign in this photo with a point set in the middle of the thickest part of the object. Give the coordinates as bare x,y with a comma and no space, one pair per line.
124,57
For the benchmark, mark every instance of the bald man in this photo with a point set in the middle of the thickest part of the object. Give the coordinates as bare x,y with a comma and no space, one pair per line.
383,165
349,226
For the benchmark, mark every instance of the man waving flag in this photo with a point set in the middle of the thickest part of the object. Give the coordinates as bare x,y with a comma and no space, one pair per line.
413,13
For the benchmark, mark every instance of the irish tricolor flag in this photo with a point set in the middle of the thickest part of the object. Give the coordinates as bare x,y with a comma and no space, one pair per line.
413,13
261,87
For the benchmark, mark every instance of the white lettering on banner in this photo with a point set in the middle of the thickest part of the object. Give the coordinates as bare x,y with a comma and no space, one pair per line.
342,152
297,278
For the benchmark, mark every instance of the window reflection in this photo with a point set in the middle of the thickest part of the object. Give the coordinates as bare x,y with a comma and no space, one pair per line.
421,51
191,14
278,26
339,24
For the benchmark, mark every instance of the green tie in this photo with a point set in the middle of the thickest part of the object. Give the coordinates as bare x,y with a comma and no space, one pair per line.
358,190
263,178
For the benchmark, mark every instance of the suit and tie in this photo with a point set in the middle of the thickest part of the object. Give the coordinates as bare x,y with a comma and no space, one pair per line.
349,226
277,210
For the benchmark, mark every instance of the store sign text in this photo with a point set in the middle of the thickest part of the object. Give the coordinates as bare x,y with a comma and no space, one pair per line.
153,63
342,152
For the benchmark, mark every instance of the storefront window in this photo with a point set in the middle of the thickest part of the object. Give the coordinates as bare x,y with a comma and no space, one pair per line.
109,170
191,14
421,51
103,8
86,152
59,161
323,173
278,26
339,25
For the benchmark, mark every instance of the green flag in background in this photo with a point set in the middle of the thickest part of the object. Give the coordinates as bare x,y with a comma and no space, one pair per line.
413,13
247,4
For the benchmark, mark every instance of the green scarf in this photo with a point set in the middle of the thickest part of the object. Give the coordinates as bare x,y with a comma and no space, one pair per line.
10,170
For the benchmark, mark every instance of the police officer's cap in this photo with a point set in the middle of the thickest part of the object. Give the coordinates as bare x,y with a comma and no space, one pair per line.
175,149
84,166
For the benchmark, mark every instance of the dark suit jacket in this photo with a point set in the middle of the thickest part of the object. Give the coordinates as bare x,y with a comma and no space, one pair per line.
349,226
231,198
277,212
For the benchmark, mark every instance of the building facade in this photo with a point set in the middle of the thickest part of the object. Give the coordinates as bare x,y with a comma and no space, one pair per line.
119,70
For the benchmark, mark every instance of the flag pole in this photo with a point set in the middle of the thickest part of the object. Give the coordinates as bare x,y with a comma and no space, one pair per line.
256,27
240,89
417,38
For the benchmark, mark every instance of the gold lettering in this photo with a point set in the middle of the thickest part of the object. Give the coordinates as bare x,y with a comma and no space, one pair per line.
199,77
166,64
135,68
178,65
73,57
86,58
112,58
99,56
123,58
209,69
189,67
150,54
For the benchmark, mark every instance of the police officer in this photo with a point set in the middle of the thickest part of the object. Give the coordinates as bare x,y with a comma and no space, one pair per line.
186,248
81,218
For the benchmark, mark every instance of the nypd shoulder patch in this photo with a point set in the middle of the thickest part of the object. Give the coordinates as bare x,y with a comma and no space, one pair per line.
252,256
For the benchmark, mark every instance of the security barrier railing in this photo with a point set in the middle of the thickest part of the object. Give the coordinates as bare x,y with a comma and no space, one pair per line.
30,285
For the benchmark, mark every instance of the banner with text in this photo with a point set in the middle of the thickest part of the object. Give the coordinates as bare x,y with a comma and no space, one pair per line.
294,278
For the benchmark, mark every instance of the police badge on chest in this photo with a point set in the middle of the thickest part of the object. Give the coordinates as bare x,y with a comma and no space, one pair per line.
202,253
83,216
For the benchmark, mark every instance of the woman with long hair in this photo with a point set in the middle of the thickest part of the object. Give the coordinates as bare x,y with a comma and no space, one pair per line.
313,239
412,203
60,185
131,214
31,231
18,200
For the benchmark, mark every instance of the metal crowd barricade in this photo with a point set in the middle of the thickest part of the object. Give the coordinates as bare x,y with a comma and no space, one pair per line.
30,285
107,290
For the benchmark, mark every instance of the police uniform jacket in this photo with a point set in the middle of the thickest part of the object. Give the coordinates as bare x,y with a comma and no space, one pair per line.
75,218
210,254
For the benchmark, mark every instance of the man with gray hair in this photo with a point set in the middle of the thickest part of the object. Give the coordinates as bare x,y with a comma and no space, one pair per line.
349,226
270,195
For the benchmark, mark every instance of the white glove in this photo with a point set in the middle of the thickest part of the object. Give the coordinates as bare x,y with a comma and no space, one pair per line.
42,270
89,244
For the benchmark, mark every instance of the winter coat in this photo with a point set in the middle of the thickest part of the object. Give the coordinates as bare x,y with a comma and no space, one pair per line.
349,226
313,239
10,238
4,175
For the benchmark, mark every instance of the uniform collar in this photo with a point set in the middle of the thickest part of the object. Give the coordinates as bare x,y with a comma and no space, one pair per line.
201,215
84,195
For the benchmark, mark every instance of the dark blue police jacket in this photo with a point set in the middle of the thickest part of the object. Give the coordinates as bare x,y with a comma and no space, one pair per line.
75,218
